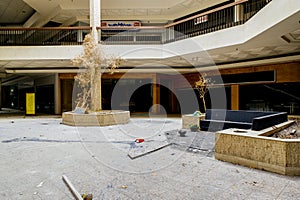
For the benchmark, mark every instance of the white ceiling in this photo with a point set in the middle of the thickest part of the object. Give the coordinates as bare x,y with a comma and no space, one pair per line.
14,12
66,12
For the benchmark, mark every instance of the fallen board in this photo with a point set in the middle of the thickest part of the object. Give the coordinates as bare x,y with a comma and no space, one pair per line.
140,149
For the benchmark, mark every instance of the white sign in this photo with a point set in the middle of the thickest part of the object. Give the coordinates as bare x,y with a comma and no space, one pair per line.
120,23
200,19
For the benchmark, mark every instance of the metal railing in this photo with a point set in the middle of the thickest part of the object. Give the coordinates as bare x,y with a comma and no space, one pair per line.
222,17
42,36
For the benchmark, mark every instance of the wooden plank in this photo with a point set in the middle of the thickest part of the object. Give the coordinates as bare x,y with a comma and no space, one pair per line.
146,148
72,188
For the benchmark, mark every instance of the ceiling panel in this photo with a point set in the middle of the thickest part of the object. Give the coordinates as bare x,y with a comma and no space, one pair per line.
14,12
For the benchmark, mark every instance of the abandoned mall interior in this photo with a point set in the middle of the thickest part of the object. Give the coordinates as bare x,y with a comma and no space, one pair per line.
249,48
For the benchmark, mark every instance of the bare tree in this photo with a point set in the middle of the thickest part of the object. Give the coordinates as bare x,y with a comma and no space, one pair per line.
202,86
93,63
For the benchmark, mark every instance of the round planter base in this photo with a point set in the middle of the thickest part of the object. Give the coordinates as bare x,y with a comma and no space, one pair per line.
102,118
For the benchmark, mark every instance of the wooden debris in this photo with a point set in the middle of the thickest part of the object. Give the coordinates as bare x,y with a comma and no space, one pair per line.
72,188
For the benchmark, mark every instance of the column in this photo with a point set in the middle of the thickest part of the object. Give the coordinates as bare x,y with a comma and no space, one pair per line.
173,97
235,97
95,17
57,95
156,95
0,94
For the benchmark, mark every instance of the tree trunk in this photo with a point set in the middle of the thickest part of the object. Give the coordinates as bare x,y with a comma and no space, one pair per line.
204,104
96,97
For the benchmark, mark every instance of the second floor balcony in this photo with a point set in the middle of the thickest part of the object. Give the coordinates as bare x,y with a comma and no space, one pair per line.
226,16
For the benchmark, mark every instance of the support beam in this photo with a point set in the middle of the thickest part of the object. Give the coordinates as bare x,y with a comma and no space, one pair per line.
0,94
57,95
156,95
235,97
95,17
173,98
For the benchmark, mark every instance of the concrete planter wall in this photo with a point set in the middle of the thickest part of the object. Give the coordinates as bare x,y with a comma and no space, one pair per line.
103,118
190,119
251,149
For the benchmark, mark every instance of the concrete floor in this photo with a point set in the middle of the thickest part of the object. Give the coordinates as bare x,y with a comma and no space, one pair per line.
35,153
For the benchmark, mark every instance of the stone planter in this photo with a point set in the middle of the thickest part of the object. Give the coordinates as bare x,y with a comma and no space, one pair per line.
103,118
256,150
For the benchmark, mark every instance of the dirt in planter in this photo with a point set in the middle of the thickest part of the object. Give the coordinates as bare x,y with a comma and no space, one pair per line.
291,132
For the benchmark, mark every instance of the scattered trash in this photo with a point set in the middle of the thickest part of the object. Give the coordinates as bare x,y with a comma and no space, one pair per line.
139,140
253,183
12,122
293,132
124,187
182,132
195,150
87,196
79,110
197,113
40,185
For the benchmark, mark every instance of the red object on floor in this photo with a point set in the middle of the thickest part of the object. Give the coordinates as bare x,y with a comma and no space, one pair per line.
140,140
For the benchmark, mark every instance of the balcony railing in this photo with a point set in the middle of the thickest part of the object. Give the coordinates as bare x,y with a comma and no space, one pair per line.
222,17
42,36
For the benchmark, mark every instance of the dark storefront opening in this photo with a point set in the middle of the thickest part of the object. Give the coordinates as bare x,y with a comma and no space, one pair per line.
169,101
134,95
14,96
271,97
45,99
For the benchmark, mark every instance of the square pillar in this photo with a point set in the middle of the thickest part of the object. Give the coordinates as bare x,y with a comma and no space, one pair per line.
0,94
57,95
235,97
156,95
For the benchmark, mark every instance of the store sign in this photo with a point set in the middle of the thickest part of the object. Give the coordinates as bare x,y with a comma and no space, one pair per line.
120,23
200,19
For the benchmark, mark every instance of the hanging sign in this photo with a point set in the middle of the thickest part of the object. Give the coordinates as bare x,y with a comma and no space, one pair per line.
200,19
120,23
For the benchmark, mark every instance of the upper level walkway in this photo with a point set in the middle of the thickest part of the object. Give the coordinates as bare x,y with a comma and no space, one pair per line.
244,30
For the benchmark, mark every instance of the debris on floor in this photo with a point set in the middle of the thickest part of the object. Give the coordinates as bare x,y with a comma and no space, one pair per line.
72,188
87,196
147,147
